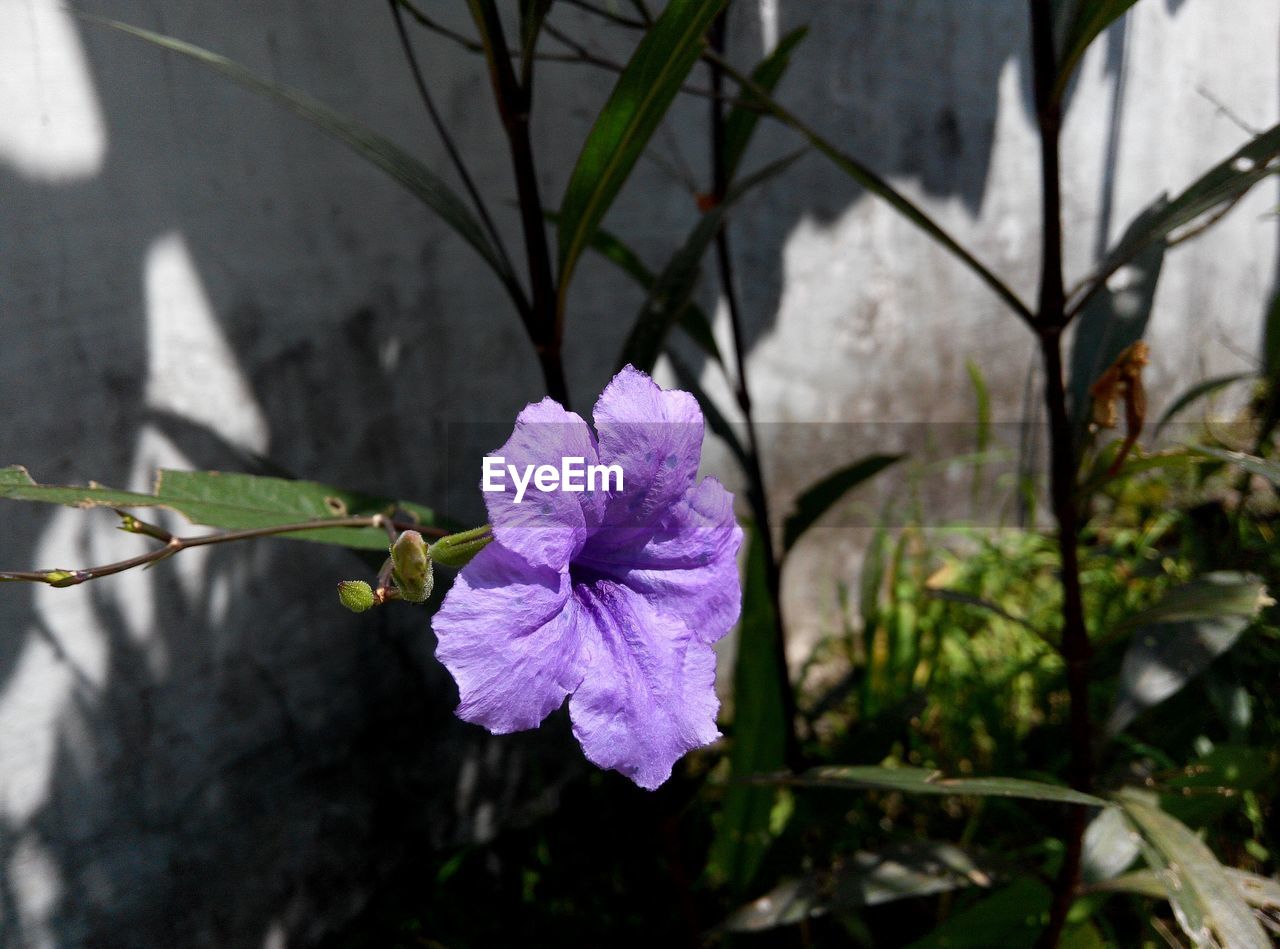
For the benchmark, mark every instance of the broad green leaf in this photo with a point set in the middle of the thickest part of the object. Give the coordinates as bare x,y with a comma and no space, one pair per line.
759,733
229,501
672,290
1197,392
1080,22
741,121
412,173
639,100
1011,918
1207,905
916,869
1262,467
824,495
926,781
1114,318
1178,638
1217,188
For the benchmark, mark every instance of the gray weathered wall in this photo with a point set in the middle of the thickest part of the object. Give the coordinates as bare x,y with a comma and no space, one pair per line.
210,753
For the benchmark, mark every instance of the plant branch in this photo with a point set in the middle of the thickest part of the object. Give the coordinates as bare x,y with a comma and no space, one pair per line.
514,101
423,20
758,496
1050,319
451,148
171,544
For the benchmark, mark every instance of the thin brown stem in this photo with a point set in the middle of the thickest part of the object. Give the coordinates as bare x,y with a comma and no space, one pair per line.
609,15
1049,321
758,495
171,544
514,101
451,149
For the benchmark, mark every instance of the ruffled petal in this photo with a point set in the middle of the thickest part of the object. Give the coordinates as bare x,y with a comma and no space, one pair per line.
648,695
546,527
509,634
687,566
655,436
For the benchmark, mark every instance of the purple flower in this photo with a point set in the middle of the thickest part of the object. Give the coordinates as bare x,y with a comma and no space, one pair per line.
612,597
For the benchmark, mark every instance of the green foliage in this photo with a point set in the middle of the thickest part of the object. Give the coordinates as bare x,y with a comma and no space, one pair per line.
821,497
639,100
233,502
744,832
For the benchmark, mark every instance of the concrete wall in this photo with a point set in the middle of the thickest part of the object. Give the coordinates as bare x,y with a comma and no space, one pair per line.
210,753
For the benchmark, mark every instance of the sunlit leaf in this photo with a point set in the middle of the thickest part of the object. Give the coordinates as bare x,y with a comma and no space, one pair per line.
759,733
1207,905
230,501
640,99
821,497
1259,891
1176,639
673,288
412,173
926,781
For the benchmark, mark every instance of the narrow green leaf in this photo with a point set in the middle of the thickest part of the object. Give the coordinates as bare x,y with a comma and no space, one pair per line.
715,418
640,99
532,13
1207,905
672,290
926,781
1217,188
693,319
868,179
740,124
229,501
821,497
1262,467
1198,391
1080,23
759,734
1179,637
1262,892
412,173
1271,343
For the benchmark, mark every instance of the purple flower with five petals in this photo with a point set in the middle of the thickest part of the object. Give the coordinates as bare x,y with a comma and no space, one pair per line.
611,597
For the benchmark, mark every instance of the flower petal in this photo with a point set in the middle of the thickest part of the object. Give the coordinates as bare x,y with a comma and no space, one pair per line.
687,566
648,695
546,527
508,633
656,438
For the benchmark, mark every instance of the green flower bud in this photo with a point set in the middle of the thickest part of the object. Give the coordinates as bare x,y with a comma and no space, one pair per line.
355,595
411,567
